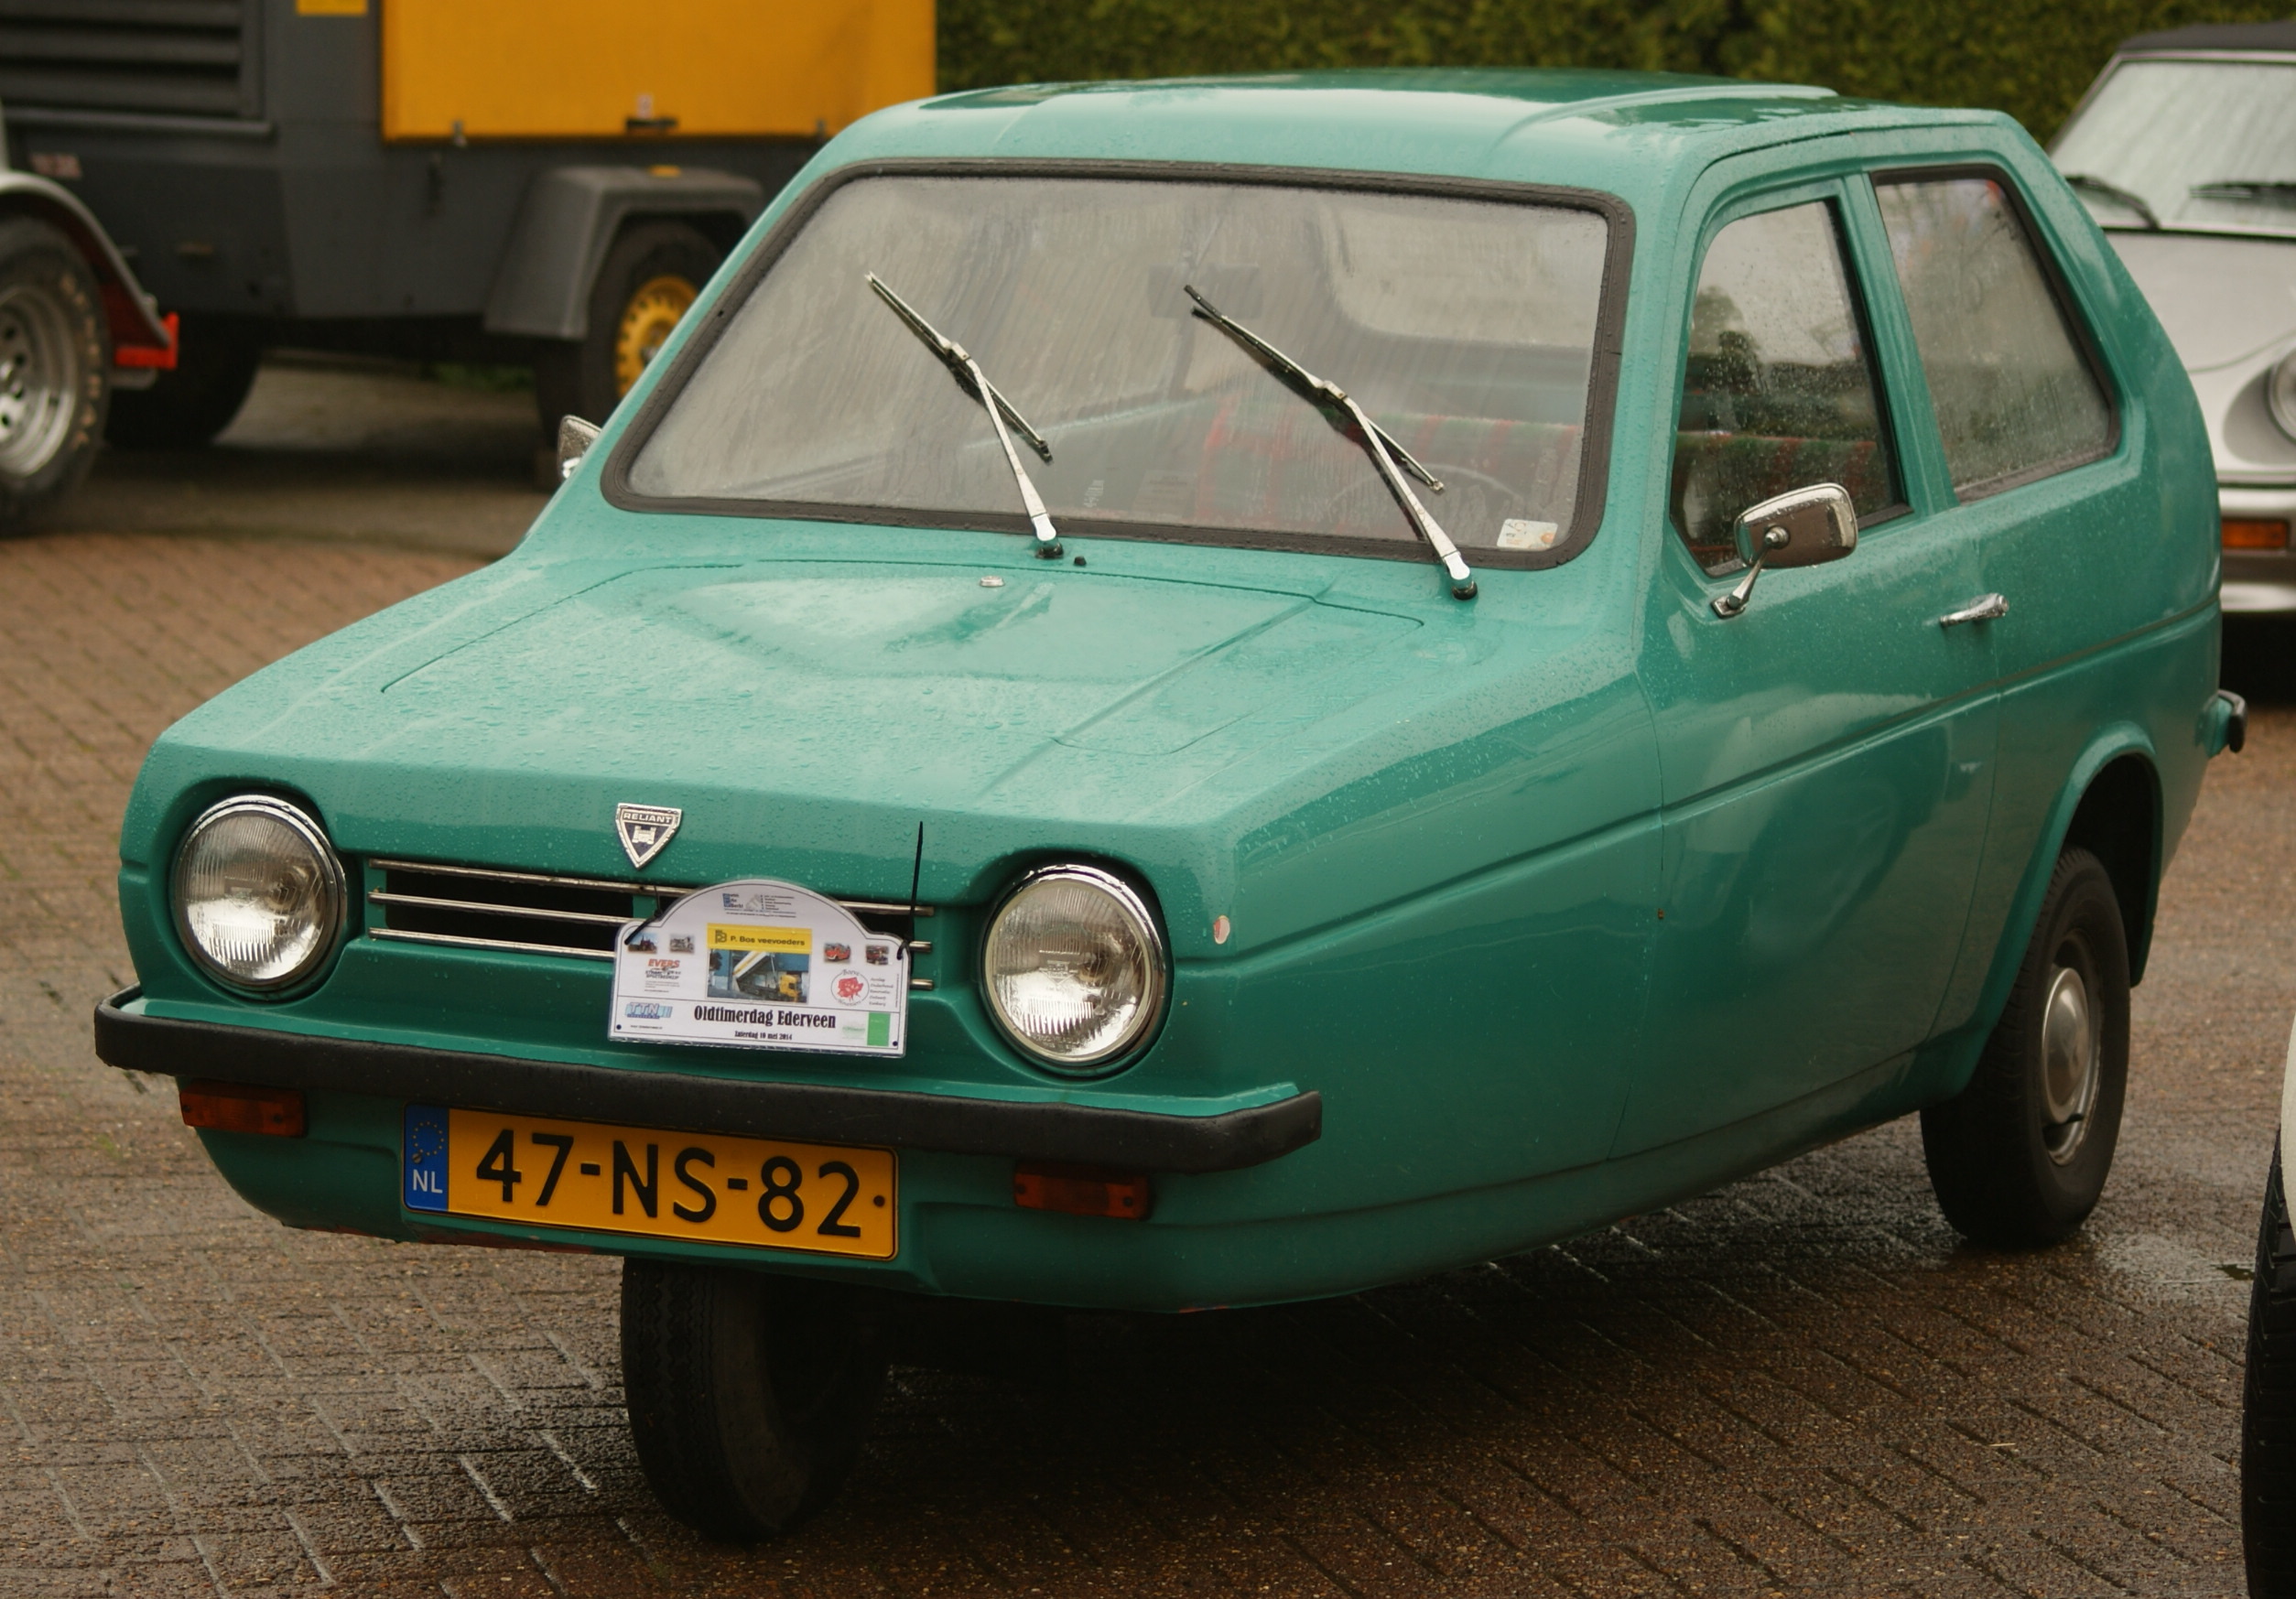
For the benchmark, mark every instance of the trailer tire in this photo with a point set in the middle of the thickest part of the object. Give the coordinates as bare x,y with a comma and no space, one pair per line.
216,358
644,286
54,352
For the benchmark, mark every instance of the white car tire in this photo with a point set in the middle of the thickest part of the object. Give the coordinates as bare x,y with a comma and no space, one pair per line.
2267,1423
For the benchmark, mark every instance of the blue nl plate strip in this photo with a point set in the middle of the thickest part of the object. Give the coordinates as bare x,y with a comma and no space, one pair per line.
425,1158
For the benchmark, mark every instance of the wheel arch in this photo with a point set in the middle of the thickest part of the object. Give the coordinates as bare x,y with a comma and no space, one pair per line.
571,218
130,315
2110,804
2119,821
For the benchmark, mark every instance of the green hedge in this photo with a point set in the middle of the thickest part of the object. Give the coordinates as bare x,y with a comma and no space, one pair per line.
2029,58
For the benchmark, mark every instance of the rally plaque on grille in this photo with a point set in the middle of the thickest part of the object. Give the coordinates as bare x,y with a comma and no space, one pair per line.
760,964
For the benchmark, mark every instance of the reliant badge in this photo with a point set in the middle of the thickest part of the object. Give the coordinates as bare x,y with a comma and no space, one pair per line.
644,830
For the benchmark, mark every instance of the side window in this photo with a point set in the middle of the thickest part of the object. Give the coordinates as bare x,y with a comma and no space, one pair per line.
1779,390
2015,399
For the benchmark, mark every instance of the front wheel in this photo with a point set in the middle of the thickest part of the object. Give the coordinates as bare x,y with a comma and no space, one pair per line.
2020,1157
54,353
749,1395
2267,1414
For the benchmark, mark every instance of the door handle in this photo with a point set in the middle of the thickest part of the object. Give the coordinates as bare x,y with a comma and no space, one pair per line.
1985,608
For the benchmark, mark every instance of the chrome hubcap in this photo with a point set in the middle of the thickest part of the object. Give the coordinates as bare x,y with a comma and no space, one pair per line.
2071,1062
38,379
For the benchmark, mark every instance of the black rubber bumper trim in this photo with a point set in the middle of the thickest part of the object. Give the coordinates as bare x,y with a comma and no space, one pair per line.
1084,1135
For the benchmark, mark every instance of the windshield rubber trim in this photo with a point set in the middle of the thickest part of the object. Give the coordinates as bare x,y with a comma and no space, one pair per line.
2069,306
1607,356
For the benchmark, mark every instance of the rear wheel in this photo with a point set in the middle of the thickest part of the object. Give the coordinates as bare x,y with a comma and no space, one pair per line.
2267,1417
54,352
749,1395
2020,1157
216,358
647,282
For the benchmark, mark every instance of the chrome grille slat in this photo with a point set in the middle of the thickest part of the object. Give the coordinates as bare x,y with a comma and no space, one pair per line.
488,908
451,941
539,879
457,941
481,908
611,885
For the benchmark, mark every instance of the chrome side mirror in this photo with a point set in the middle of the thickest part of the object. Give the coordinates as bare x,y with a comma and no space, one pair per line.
1803,527
575,437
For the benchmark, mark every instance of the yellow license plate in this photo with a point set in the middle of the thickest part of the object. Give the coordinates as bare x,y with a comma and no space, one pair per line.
704,1188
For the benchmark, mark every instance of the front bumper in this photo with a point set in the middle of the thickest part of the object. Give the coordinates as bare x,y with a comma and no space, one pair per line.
1084,1135
2258,581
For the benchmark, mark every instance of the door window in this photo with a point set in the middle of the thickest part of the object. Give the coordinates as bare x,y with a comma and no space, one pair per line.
1778,392
2015,397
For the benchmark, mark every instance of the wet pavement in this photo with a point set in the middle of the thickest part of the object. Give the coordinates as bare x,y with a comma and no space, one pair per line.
1801,1383
334,449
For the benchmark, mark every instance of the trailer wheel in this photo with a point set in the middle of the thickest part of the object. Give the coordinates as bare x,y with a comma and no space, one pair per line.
216,358
54,352
749,1395
645,284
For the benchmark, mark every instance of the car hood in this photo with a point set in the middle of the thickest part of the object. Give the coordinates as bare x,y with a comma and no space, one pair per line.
2229,306
815,712
1254,740
927,683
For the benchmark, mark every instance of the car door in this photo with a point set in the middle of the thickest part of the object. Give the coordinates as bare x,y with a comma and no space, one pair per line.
2103,573
1827,752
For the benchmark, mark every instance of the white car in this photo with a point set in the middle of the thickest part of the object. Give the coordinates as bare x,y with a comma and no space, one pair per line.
2268,1427
2184,150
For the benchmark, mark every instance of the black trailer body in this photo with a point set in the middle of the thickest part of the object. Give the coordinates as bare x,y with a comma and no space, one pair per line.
236,152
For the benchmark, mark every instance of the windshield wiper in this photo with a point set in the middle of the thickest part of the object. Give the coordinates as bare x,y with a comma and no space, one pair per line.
1383,449
968,371
2269,191
2117,195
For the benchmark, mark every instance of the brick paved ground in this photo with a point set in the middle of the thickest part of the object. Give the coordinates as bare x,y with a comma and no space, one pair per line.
1800,1383
336,447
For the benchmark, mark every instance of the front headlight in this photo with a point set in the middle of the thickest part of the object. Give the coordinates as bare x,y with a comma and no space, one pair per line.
2280,392
1073,966
258,893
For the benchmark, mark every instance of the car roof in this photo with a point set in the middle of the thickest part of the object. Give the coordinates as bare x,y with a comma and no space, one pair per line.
2215,35
1626,133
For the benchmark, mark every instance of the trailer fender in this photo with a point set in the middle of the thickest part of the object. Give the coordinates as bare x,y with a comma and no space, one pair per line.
567,222
133,315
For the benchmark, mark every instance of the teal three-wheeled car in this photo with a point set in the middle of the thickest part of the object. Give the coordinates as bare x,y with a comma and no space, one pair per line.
1206,693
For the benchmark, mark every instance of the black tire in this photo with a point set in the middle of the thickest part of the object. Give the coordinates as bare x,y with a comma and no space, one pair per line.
55,351
2268,1411
216,358
585,378
2020,1157
749,1395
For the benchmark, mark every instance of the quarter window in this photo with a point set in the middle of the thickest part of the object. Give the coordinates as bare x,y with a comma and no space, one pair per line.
1779,390
2014,396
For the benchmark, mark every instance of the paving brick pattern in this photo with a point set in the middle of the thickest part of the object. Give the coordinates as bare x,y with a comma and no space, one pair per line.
1801,1383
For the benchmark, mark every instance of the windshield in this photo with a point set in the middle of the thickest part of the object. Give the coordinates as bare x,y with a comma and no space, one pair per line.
2204,145
1466,329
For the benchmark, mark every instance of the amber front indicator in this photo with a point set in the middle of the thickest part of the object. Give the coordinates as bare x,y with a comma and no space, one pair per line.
1080,1190
2251,534
239,1107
